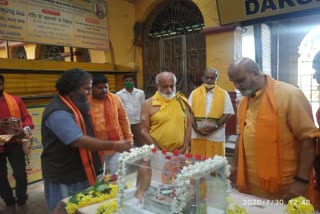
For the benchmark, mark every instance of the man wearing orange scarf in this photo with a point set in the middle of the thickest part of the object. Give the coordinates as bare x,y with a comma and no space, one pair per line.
275,148
11,149
165,117
109,119
69,159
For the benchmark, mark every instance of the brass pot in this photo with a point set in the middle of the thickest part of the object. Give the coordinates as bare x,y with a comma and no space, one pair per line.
10,125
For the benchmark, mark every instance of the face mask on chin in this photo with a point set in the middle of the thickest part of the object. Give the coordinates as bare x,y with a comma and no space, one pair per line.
168,96
247,93
209,86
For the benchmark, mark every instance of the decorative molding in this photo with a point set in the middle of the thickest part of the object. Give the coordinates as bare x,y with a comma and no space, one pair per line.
29,71
11,44
220,29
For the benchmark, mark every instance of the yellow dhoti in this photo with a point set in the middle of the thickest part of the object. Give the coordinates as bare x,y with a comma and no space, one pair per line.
207,148
213,144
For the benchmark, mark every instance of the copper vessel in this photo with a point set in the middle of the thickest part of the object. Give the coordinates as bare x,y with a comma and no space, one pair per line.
10,125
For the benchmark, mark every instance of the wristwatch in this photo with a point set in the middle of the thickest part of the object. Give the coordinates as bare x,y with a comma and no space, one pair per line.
215,126
27,130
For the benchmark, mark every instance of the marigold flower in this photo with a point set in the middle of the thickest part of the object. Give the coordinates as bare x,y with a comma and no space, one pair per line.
85,198
300,205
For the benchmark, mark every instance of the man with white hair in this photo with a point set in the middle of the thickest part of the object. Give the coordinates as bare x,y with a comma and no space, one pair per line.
165,117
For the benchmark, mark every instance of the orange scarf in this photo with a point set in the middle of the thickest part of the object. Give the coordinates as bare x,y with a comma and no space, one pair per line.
267,141
111,121
113,130
12,105
85,154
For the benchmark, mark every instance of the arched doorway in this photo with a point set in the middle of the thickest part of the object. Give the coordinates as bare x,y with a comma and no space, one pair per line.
308,48
173,41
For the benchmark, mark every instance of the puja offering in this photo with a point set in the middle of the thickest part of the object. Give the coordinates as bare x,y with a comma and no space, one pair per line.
171,183
5,138
102,189
10,125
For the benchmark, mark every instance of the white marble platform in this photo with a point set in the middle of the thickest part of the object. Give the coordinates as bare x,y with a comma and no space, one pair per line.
258,205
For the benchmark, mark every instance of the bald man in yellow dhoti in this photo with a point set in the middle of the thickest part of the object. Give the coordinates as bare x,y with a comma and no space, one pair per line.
212,108
165,117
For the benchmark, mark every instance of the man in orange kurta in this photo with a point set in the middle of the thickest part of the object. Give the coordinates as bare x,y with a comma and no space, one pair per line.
275,150
109,119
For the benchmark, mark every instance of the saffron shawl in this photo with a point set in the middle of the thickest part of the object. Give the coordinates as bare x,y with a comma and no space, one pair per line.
111,121
267,141
85,154
12,105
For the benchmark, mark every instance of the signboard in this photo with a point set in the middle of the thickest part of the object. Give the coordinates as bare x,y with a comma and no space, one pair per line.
72,23
232,11
34,168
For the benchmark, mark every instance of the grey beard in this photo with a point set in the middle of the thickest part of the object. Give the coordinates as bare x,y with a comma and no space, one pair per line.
248,93
81,101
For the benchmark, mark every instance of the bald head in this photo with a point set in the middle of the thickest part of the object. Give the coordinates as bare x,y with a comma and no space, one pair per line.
246,76
166,84
165,75
212,71
244,64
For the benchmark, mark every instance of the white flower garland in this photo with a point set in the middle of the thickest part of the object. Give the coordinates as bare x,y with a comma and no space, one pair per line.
134,155
183,179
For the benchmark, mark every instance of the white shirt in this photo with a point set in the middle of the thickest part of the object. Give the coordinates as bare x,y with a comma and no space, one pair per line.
132,103
219,135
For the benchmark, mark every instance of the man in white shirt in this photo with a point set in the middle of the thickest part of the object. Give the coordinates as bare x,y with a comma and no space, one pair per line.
132,99
212,108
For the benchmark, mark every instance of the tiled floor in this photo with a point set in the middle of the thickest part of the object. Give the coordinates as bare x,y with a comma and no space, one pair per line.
36,202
